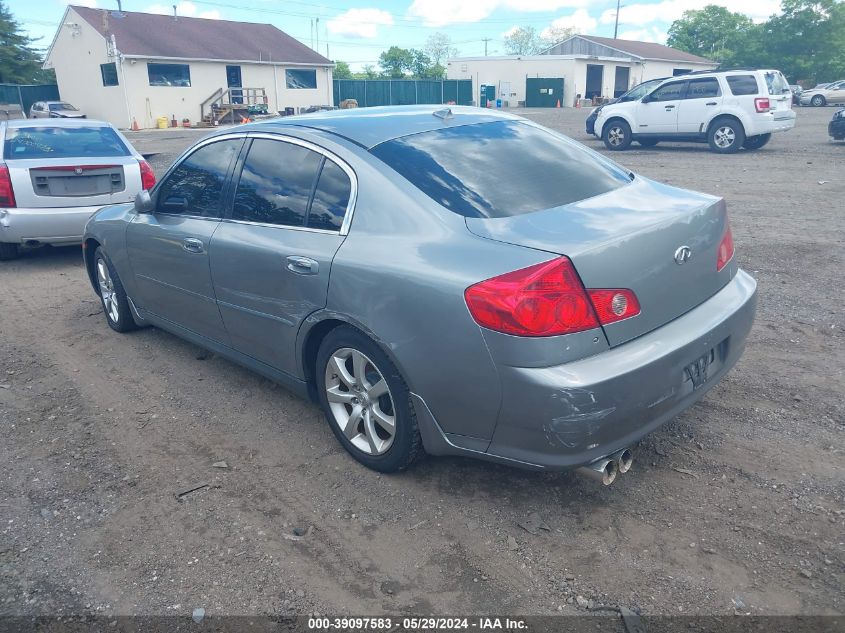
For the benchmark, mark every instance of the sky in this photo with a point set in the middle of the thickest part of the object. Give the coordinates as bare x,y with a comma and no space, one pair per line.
357,31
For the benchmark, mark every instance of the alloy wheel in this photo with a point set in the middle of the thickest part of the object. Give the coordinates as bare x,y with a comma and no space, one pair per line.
616,136
107,291
724,137
360,401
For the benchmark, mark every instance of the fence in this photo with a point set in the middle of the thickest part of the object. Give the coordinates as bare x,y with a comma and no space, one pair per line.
378,92
27,95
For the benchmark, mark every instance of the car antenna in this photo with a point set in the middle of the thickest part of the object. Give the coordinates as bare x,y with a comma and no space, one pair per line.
445,113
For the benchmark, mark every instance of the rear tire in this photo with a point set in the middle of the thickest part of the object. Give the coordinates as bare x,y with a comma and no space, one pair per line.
818,101
648,142
725,136
370,411
616,135
112,295
8,251
756,142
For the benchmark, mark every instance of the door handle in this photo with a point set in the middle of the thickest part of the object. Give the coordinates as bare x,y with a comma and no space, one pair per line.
303,265
711,103
192,245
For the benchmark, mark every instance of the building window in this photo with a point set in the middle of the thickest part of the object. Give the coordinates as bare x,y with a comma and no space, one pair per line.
169,75
301,78
109,73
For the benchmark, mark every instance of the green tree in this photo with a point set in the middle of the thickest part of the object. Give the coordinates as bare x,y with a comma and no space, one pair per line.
20,63
523,40
556,34
341,71
396,62
712,32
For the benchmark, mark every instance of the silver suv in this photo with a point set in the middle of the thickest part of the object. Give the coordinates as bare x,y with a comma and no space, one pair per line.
727,109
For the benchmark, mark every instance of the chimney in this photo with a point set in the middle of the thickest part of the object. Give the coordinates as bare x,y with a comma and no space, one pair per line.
174,12
105,15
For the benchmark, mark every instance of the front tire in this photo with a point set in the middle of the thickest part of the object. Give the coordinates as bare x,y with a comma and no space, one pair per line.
818,101
366,401
617,135
8,251
756,142
726,136
112,295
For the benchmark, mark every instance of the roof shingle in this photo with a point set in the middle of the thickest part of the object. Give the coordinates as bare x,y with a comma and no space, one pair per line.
647,50
150,35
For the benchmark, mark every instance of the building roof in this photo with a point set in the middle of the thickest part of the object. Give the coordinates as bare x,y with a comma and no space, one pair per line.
642,50
163,36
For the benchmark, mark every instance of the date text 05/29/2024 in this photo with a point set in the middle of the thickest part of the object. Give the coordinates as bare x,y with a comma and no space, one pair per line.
415,624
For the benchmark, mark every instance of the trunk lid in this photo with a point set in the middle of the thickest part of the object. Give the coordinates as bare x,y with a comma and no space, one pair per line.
628,238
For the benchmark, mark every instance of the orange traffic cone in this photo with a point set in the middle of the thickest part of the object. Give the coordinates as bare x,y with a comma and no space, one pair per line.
135,126
558,103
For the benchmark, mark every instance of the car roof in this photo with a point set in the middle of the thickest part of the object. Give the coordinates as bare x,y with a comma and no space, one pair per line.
369,127
20,123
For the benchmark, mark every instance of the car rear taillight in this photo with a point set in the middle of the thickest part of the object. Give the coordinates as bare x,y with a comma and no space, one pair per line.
547,299
7,193
148,177
726,250
614,304
762,104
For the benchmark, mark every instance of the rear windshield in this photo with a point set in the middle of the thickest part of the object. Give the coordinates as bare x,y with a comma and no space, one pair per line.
62,142
499,169
743,84
776,84
62,106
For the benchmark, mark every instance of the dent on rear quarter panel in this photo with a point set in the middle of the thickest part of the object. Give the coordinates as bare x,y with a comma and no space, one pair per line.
108,227
401,273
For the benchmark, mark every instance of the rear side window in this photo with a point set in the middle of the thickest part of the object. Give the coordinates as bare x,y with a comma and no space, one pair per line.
743,84
62,142
330,198
499,169
195,186
703,88
276,183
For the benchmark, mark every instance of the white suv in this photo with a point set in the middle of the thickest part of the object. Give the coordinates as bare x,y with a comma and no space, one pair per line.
727,109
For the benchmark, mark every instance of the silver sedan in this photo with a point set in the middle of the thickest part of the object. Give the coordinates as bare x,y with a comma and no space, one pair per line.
443,280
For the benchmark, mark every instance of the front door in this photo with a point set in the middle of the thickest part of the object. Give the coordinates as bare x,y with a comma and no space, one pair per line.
701,102
272,255
169,249
233,82
658,112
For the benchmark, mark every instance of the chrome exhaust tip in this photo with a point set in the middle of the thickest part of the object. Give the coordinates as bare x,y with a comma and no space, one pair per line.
603,470
624,460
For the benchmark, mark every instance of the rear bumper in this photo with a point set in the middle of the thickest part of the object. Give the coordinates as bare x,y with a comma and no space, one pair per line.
565,416
770,122
46,226
836,128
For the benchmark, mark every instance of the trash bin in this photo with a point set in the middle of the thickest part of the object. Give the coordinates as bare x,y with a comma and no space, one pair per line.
162,123
498,103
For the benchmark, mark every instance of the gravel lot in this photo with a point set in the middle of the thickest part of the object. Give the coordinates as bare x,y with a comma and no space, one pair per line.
736,506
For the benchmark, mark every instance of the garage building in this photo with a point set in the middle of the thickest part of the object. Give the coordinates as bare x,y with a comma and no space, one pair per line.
579,65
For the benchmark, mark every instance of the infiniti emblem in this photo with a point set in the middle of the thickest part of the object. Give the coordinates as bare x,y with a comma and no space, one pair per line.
682,255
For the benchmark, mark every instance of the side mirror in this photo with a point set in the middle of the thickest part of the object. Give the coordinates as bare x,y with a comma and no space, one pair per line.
143,202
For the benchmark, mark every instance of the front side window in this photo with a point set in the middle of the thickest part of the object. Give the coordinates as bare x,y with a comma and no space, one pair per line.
638,92
62,142
276,183
669,92
109,74
331,198
499,169
301,78
169,75
743,84
703,88
195,186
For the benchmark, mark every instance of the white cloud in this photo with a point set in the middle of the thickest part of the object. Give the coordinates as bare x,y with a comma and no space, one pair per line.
650,34
362,23
185,8
580,20
641,14
91,4
437,13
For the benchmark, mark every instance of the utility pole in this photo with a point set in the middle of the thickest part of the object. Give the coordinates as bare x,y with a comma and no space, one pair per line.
616,28
485,40
317,30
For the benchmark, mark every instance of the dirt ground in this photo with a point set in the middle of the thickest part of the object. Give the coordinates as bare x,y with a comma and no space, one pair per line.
736,506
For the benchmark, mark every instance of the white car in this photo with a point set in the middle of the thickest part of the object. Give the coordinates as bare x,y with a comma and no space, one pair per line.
55,173
825,94
727,109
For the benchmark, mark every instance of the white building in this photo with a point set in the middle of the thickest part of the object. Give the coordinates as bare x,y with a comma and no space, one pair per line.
580,65
122,66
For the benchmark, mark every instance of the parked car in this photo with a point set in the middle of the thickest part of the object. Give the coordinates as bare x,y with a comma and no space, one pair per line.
54,110
827,94
796,93
546,311
836,127
55,174
727,109
634,94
